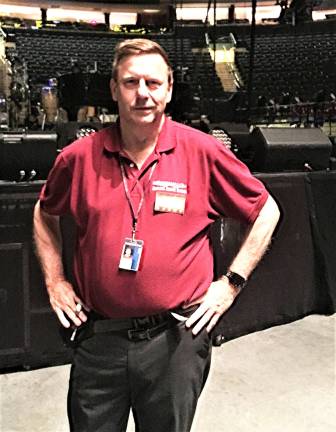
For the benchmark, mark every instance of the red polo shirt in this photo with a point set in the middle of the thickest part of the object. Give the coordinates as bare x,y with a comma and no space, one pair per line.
177,261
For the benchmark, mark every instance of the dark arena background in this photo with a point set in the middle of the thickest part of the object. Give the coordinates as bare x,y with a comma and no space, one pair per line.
260,76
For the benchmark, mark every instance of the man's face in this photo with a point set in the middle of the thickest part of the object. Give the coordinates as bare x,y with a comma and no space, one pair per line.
142,89
128,252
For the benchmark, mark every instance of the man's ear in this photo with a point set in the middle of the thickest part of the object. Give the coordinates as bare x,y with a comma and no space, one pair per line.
170,91
113,88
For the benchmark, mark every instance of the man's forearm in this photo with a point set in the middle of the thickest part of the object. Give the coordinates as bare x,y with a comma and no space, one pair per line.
221,294
257,240
48,240
48,243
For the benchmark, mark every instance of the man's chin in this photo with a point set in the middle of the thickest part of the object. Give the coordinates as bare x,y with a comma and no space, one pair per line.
148,118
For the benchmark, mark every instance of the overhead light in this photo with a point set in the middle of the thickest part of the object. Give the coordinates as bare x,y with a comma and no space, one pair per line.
152,10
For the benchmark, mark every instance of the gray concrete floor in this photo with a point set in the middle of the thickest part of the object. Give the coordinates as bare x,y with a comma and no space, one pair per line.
278,380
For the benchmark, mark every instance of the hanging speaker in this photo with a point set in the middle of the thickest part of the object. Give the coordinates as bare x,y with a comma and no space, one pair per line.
290,149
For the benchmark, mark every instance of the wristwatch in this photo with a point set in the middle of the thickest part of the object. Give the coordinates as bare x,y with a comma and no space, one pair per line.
236,280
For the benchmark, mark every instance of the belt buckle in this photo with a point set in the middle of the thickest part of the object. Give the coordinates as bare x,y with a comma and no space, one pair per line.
142,323
138,335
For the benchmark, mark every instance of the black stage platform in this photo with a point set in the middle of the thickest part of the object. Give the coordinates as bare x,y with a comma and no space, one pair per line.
297,276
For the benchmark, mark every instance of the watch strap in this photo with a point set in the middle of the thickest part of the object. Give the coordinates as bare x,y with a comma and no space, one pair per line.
236,279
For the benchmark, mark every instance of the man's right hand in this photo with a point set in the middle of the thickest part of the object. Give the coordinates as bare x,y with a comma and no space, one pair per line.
48,241
68,307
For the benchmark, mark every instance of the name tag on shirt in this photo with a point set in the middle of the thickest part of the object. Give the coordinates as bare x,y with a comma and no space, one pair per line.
169,202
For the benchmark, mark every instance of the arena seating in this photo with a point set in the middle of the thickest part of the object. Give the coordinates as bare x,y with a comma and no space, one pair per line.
298,61
52,53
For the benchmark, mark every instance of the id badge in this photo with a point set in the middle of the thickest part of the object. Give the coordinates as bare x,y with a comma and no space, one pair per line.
131,254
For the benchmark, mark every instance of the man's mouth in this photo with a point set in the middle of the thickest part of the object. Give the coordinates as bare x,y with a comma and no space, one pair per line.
141,108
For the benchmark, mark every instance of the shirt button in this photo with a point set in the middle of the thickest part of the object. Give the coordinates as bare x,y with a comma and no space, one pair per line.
131,164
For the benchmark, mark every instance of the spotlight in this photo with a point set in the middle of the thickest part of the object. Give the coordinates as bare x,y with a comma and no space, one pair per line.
84,131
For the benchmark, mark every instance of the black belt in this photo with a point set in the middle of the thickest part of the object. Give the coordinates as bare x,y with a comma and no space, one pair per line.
138,328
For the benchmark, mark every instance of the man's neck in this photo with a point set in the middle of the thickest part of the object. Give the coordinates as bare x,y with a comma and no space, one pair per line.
139,143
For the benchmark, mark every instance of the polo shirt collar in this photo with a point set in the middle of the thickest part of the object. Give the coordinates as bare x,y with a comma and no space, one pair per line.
112,140
166,141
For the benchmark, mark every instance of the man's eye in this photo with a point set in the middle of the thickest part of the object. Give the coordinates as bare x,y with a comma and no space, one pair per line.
152,84
131,83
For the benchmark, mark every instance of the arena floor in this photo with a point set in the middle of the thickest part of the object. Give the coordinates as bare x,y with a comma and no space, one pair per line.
278,380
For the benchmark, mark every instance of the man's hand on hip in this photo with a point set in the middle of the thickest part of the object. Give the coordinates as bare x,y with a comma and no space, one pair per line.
67,305
213,304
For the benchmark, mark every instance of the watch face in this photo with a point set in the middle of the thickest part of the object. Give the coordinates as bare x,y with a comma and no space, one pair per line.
236,280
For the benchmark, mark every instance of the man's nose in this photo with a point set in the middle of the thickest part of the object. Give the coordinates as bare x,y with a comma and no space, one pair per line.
142,88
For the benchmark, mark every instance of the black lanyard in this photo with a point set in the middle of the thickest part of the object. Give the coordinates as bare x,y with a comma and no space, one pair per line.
135,213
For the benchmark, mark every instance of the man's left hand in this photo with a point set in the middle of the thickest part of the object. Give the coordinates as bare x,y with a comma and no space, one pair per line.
213,304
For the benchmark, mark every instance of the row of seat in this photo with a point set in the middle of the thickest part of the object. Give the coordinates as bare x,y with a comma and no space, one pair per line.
302,64
51,54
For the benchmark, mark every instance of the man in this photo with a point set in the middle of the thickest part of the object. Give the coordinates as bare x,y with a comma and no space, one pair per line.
156,186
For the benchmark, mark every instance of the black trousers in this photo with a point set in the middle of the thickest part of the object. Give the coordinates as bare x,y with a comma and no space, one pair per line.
160,379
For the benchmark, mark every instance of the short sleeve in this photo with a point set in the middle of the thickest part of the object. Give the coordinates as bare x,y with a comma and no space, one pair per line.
235,192
56,192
